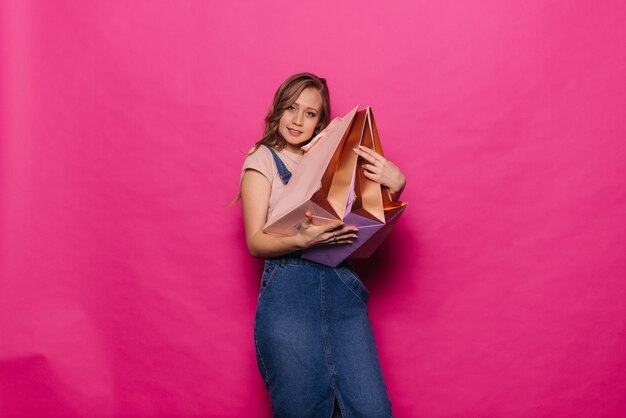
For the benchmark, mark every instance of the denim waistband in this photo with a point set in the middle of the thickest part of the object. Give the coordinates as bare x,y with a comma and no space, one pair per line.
297,260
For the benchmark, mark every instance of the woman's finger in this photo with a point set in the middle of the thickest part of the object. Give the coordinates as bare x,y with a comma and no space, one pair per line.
343,241
372,176
365,155
348,233
308,219
372,168
376,156
331,240
333,227
343,233
332,236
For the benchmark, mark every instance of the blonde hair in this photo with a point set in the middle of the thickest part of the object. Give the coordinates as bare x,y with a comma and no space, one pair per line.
285,96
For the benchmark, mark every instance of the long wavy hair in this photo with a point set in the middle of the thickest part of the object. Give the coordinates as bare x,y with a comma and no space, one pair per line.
285,96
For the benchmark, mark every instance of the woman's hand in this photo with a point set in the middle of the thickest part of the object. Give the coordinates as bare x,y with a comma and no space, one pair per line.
382,171
311,235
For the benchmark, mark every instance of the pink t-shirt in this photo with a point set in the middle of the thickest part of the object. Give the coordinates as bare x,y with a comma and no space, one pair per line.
263,162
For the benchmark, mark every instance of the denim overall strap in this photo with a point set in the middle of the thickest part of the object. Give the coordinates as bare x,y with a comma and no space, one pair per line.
283,171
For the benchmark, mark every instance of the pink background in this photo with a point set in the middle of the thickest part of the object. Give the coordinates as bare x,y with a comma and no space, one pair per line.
125,285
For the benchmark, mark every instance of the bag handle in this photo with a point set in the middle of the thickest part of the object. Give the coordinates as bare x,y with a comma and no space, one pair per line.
370,195
337,179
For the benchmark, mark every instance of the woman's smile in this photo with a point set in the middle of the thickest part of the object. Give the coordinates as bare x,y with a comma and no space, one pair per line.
294,132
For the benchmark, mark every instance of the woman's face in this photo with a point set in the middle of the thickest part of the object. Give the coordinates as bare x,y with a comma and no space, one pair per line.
300,119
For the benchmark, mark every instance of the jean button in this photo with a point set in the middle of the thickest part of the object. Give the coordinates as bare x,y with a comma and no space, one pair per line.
264,283
269,270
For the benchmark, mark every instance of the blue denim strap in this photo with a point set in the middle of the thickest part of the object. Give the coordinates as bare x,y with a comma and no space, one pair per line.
283,171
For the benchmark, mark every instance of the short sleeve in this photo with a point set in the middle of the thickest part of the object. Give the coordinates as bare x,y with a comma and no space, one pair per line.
262,161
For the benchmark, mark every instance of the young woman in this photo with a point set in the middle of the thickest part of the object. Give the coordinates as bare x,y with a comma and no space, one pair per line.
314,343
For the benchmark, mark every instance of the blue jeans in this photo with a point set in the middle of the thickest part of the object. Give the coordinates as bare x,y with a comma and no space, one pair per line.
314,342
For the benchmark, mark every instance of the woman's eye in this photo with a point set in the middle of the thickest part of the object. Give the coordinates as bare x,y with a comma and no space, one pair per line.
310,114
291,108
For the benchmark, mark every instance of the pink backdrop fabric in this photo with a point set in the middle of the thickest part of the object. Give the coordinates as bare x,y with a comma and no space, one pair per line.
125,286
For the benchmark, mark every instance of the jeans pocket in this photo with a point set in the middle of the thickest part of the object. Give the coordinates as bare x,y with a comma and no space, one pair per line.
352,281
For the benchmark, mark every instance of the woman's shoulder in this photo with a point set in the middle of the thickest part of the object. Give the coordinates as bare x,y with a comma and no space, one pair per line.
259,153
259,159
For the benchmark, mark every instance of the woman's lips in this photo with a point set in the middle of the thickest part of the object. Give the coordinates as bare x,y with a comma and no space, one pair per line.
293,132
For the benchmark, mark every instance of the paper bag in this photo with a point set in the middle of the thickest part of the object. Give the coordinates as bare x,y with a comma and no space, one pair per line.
372,211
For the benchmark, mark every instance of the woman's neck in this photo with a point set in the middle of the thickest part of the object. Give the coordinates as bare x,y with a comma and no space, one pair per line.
294,149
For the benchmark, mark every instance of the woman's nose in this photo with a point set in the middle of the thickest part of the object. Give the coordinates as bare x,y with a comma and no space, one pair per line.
297,118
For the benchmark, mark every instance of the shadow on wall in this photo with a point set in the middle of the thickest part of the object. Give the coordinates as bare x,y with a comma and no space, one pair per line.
389,264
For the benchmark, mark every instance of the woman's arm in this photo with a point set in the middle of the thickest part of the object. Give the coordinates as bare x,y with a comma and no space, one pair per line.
382,171
255,195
